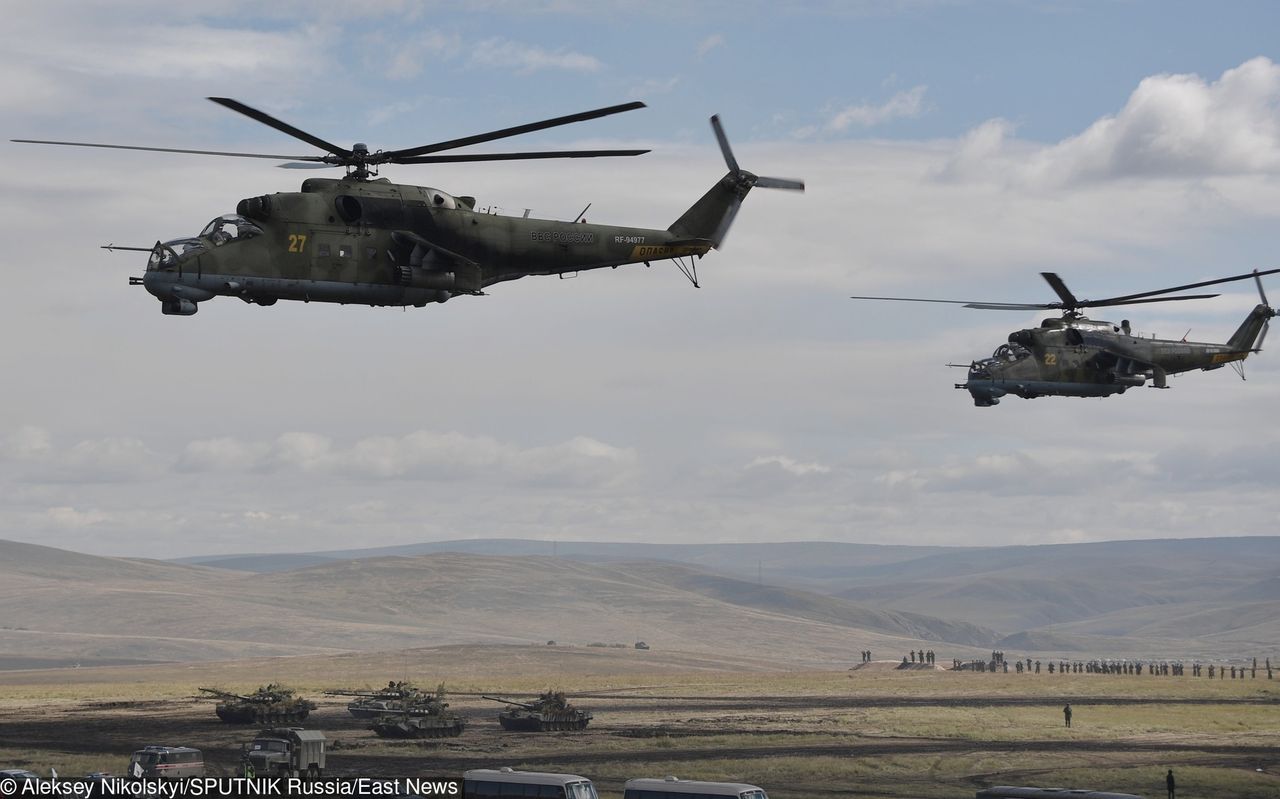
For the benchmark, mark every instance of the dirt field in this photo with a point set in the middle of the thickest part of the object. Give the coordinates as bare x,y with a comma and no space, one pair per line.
871,732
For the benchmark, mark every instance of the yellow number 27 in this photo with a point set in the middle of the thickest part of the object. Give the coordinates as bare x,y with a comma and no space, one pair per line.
297,241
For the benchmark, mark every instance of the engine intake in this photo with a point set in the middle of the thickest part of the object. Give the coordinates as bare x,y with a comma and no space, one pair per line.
255,207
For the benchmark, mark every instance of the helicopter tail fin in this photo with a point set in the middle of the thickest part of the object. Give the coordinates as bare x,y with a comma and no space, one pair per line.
712,215
1253,330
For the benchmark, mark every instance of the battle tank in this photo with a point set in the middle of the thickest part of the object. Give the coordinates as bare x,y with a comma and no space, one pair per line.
421,716
270,704
382,702
550,711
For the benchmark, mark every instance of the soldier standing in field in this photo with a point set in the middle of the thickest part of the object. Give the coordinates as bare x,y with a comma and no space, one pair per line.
1066,715
1168,783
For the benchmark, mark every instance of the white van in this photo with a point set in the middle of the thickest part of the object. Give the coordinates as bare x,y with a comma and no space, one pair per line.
672,788
503,783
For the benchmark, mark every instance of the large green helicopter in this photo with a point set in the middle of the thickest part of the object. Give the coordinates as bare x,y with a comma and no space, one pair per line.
364,240
1073,356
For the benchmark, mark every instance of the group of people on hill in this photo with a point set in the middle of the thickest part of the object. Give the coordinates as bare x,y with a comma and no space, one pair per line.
919,657
998,663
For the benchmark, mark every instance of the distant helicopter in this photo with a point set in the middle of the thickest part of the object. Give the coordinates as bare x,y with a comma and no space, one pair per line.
364,240
1073,356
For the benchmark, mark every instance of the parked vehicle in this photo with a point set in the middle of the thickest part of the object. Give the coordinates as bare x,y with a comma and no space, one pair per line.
673,788
285,752
20,776
166,763
504,783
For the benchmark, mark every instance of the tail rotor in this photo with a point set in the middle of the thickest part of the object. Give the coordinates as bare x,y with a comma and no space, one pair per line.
742,174
1266,326
725,150
709,219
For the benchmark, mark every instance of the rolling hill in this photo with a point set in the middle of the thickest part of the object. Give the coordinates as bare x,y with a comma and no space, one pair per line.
71,607
804,604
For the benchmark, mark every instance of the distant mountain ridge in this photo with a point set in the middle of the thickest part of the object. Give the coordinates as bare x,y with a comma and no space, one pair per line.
97,610
806,604
808,561
1012,589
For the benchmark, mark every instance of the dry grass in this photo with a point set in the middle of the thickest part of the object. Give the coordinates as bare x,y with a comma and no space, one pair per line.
796,733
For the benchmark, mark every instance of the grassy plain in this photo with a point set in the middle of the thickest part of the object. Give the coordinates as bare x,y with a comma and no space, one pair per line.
870,732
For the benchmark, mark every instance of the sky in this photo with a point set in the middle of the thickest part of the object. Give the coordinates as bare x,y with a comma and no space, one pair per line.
951,149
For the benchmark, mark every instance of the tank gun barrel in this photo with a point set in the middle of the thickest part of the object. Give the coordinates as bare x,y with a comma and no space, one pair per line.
224,694
509,702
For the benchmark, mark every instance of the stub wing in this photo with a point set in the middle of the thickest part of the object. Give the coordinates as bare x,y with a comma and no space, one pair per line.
417,261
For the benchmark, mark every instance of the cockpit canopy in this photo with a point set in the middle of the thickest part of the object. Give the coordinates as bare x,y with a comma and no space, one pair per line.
1008,353
229,227
222,230
1004,355
167,254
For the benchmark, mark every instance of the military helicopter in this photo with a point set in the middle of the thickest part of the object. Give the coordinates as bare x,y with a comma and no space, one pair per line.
364,240
1073,356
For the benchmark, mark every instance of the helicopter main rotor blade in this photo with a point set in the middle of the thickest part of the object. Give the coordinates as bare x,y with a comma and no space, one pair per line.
1060,288
395,156
283,127
1118,300
1034,306
454,159
1261,294
1145,300
172,150
987,306
1070,303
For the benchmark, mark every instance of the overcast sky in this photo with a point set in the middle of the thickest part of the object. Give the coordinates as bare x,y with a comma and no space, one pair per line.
951,149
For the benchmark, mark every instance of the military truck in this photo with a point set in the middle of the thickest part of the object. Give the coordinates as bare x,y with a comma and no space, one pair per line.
284,752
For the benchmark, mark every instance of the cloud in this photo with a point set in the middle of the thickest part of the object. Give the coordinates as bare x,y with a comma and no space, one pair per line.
71,518
1172,126
654,86
26,443
618,406
221,454
422,455
193,51
708,44
789,465
103,460
409,57
1029,473
903,105
501,53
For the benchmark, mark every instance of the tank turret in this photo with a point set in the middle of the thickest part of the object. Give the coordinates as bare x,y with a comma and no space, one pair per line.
423,715
270,704
550,711
372,703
